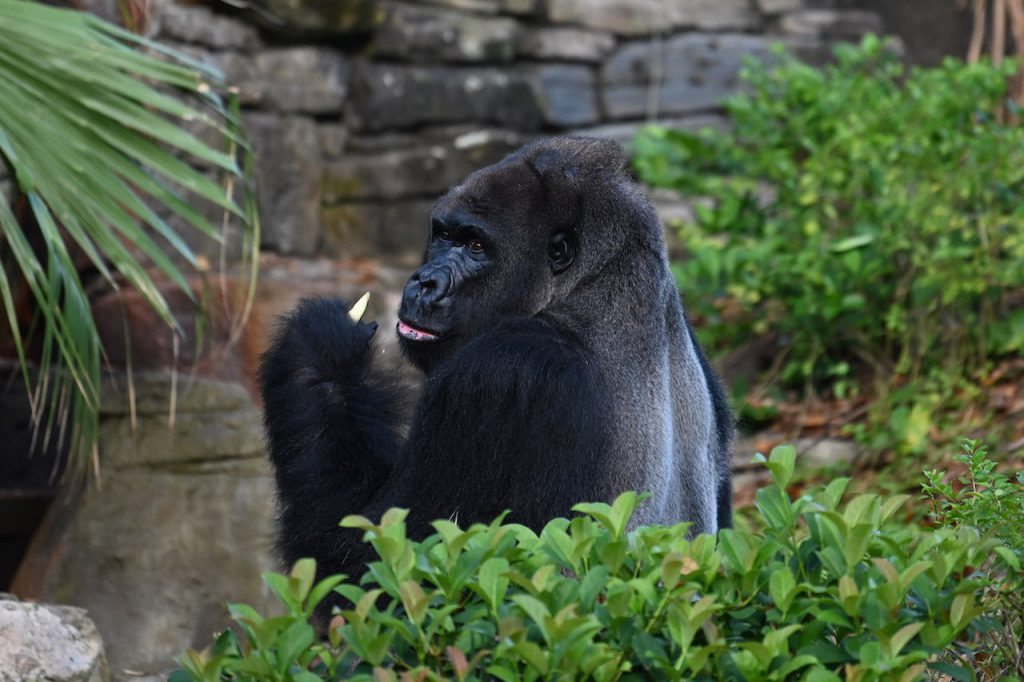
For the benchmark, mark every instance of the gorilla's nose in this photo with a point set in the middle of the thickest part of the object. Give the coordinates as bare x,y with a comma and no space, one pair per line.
429,286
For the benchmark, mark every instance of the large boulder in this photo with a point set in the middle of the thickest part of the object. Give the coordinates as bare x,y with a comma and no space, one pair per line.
178,525
46,642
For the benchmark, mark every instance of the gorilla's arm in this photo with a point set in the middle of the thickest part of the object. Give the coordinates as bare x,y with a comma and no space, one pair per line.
330,427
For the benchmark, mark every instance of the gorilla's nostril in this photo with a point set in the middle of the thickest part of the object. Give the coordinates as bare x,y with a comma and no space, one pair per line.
435,287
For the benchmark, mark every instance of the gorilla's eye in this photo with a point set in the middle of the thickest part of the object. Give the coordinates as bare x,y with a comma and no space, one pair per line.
475,245
561,251
445,235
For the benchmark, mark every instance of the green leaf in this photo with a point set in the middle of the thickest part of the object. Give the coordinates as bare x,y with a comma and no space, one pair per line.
600,512
851,243
903,637
961,611
782,587
414,600
536,610
781,463
91,127
1007,555
857,541
956,672
303,573
492,581
292,642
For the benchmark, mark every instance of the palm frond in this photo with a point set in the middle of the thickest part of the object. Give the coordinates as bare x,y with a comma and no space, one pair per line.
95,126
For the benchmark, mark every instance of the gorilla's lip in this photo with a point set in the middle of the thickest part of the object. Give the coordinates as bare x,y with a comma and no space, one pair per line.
412,333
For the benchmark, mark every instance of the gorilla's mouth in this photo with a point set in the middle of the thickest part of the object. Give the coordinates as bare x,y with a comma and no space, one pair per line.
413,334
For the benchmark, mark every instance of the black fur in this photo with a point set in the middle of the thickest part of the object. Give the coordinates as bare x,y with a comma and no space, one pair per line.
560,368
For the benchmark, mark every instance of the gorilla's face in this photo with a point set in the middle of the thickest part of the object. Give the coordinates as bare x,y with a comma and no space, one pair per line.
497,244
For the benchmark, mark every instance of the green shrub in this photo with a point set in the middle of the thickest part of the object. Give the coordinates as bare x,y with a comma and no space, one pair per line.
992,504
825,591
870,217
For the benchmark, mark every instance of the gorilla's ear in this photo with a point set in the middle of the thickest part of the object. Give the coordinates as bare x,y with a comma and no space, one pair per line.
561,251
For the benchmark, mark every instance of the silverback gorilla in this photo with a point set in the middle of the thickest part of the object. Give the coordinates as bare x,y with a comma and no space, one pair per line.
559,368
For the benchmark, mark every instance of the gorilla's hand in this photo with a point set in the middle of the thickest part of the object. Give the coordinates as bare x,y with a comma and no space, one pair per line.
319,342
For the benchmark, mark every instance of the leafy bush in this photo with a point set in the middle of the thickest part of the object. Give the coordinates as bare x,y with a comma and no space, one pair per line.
871,218
824,590
993,505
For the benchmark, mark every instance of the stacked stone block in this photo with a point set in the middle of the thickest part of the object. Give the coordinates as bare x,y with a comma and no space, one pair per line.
361,112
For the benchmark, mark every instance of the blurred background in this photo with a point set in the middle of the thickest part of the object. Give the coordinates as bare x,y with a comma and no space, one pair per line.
360,113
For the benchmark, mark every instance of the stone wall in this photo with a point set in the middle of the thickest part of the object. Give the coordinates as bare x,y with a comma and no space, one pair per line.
361,118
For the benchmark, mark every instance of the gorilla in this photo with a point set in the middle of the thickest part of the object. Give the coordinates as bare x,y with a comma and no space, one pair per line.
559,364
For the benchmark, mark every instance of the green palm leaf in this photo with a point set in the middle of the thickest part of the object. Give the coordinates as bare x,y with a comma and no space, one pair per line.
93,129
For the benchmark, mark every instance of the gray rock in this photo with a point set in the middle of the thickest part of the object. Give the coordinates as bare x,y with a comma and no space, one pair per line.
52,643
287,151
378,229
294,79
397,97
633,18
332,138
689,73
423,170
200,25
302,18
778,6
825,452
831,24
412,32
714,16
565,94
519,7
181,525
565,44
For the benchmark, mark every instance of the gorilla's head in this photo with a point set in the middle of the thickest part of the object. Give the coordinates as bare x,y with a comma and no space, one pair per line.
517,237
